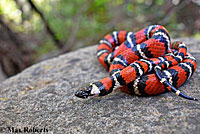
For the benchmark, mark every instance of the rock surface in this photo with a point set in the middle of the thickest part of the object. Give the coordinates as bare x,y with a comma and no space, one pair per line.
42,96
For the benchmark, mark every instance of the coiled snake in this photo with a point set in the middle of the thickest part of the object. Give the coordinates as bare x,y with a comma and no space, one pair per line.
142,63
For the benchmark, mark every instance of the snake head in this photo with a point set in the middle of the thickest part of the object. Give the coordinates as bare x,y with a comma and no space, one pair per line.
89,90
84,92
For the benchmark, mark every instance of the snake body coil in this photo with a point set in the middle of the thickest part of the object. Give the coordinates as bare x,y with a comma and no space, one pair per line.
142,63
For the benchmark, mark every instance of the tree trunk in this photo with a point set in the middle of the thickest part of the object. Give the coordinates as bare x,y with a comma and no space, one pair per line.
11,51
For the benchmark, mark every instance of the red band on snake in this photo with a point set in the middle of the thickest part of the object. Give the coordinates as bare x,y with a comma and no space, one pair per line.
142,63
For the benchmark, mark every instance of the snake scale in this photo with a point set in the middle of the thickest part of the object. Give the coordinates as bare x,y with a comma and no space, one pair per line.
142,63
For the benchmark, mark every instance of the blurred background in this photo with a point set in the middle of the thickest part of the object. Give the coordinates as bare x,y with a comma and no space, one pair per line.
34,30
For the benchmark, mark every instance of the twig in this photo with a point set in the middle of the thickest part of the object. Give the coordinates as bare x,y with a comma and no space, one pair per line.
49,30
74,30
21,9
171,12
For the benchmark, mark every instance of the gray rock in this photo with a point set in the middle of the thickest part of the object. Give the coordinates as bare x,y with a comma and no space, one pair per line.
42,96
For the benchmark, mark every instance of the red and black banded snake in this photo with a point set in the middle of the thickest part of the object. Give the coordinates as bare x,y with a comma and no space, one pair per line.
142,63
